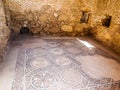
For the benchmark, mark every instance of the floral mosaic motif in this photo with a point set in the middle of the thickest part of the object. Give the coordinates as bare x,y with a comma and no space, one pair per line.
53,66
42,80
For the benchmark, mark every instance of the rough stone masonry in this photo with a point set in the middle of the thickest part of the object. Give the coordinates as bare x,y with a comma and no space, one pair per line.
4,32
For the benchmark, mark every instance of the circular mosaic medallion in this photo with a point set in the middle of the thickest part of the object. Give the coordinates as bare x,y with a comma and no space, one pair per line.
57,51
39,62
53,44
74,50
71,76
62,60
42,80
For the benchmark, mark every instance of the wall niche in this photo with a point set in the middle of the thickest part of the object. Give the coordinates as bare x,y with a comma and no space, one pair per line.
84,17
106,21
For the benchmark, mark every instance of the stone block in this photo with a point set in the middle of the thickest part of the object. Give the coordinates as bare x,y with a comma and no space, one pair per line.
67,28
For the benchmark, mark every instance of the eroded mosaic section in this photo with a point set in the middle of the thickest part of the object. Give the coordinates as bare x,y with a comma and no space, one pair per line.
56,65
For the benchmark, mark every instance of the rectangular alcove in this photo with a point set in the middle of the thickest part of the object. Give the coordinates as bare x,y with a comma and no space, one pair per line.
106,21
84,17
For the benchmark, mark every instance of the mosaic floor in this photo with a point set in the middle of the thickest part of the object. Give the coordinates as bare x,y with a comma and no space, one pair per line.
65,64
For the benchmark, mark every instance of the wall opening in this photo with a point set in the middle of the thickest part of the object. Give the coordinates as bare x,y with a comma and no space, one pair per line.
84,17
25,31
106,21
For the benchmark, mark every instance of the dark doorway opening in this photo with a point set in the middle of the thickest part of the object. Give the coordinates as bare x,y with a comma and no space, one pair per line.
25,31
106,21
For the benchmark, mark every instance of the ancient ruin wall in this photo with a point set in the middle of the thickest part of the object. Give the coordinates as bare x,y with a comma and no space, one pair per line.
108,35
50,17
63,18
4,32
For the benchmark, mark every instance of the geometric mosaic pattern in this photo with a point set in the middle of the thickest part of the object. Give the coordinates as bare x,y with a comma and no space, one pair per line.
52,65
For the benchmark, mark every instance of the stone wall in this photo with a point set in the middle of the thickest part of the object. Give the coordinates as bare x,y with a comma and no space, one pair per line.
67,18
109,36
50,17
4,32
